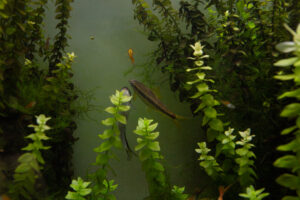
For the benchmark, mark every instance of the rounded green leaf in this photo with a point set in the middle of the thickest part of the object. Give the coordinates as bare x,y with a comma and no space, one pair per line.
216,124
154,146
210,112
291,110
286,62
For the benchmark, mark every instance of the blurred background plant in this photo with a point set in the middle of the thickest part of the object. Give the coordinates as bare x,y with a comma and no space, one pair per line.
35,77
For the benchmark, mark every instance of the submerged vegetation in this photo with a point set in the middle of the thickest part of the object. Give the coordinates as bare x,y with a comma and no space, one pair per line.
219,57
35,77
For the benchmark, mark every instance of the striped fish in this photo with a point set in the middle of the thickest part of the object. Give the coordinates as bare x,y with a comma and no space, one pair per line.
149,97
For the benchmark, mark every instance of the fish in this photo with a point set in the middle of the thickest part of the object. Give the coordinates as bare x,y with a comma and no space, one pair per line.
30,105
149,97
130,54
122,127
227,104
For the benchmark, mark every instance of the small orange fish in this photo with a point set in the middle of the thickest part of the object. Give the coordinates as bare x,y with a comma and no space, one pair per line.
30,105
228,104
222,191
130,54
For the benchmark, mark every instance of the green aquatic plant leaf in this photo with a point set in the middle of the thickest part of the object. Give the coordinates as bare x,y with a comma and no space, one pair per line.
291,110
216,124
253,194
286,62
210,112
81,190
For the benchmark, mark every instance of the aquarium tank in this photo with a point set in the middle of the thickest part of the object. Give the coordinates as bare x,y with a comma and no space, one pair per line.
149,99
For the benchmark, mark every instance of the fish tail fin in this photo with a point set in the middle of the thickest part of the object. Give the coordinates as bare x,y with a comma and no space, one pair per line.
132,60
179,117
177,124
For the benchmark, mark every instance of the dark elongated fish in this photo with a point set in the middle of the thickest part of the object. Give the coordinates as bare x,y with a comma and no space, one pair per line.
122,127
151,98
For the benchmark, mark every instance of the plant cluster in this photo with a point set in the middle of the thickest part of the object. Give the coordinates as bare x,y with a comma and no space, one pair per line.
149,154
289,72
238,162
81,190
35,77
253,194
240,37
103,187
30,163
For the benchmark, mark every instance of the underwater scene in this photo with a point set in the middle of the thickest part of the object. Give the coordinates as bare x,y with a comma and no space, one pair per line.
149,99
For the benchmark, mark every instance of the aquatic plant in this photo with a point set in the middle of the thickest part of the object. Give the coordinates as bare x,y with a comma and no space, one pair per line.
30,163
239,36
81,190
29,87
290,72
225,170
200,84
102,187
177,193
149,154
253,194
63,8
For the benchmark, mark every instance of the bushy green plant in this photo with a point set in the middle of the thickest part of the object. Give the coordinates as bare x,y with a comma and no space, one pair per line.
244,159
225,170
28,171
29,86
290,71
149,155
253,194
102,187
239,36
177,193
200,84
81,190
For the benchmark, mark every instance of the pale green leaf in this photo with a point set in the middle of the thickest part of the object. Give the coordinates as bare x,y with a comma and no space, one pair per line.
154,146
108,122
111,110
286,47
286,62
121,118
216,124
291,110
210,112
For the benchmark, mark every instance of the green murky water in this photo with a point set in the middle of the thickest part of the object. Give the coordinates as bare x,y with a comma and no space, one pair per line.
100,66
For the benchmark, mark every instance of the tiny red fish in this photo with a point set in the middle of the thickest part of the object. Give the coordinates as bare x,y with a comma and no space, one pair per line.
130,54
228,104
30,105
